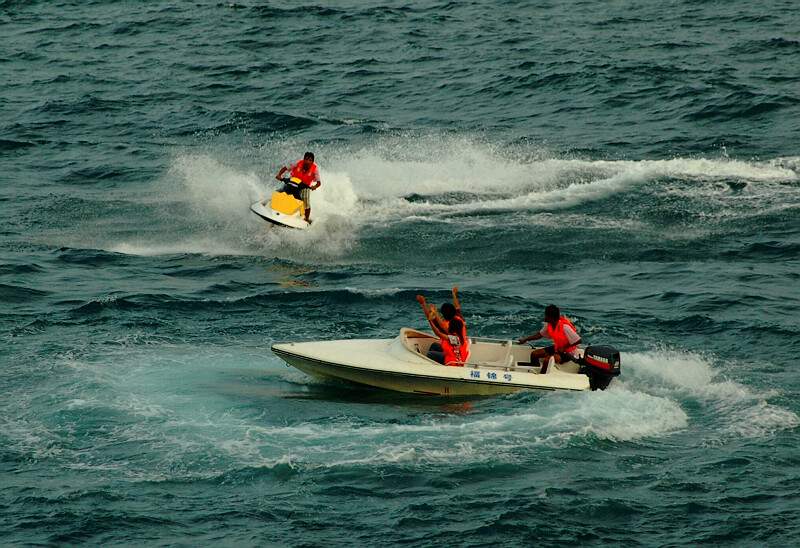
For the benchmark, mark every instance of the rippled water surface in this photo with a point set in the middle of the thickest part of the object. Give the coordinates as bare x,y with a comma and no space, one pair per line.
637,165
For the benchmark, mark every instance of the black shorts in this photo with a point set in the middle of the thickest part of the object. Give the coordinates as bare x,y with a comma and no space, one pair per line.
563,355
436,352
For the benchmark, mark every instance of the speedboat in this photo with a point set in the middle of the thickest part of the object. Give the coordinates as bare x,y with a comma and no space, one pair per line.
284,208
494,366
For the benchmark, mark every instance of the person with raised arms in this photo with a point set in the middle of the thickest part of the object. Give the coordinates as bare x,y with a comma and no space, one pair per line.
453,346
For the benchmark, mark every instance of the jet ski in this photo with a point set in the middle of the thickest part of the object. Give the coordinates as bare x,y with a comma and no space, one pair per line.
284,208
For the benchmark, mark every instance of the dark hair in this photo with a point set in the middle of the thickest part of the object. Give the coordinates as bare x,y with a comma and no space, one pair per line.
456,325
448,311
308,155
552,311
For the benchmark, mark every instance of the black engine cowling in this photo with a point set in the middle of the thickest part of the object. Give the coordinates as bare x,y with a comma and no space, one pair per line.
291,188
600,363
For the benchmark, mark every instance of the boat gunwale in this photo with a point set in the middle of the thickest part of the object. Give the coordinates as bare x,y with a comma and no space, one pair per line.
487,382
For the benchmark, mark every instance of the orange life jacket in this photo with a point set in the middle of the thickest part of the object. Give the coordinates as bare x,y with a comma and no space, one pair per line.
306,177
560,340
456,347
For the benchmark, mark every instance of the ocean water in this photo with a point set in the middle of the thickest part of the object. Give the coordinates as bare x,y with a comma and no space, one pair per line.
636,164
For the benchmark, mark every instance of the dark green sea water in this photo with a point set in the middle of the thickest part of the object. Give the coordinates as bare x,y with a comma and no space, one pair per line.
637,164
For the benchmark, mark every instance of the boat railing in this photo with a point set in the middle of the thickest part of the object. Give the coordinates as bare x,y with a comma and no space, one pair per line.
505,362
490,339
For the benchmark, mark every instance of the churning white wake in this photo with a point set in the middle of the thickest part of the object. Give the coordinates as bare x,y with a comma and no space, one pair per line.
427,179
732,408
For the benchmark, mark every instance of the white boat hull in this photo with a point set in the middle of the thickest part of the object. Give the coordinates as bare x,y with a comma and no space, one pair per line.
263,210
400,364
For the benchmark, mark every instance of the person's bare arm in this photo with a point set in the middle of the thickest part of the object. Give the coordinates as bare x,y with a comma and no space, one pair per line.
455,298
433,317
440,323
534,337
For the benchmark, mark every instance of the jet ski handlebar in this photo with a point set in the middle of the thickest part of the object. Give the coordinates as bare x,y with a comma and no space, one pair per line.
291,187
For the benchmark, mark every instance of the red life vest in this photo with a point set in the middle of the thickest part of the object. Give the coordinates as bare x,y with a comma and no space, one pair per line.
306,177
560,340
456,347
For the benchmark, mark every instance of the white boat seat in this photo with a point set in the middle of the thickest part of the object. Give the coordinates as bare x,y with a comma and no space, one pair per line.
506,360
551,364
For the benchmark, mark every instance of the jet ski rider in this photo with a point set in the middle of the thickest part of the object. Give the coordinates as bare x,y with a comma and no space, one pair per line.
563,334
453,345
308,173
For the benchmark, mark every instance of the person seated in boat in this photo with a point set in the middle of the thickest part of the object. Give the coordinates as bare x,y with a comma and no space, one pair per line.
453,345
563,334
308,173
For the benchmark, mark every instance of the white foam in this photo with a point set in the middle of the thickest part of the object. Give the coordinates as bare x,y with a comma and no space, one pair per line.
190,246
29,436
214,189
616,414
493,183
736,409
449,177
552,422
387,292
202,431
210,201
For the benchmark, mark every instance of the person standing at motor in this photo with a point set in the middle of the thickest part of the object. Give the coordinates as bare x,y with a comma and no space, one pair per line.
308,173
563,334
453,345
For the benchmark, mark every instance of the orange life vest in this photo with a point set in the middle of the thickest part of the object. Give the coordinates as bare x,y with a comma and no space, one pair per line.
306,177
560,340
456,347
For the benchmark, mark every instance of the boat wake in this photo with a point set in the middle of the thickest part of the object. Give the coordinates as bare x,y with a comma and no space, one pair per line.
736,410
457,182
232,413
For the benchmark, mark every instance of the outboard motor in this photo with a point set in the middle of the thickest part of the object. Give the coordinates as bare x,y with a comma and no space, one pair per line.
600,363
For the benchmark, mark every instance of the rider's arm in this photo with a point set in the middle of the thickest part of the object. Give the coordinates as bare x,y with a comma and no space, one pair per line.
455,299
316,180
534,337
438,325
439,333
438,318
432,316
428,314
